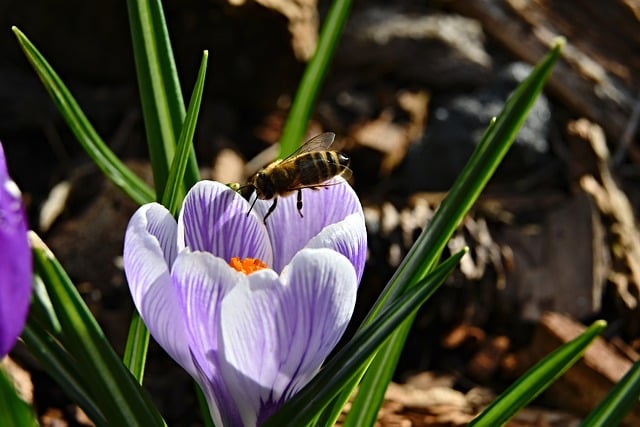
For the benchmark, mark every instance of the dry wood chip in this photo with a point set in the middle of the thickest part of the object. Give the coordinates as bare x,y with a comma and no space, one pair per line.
303,22
614,204
598,73
583,386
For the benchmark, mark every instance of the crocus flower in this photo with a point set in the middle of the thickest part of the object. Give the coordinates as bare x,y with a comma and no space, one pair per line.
15,261
250,311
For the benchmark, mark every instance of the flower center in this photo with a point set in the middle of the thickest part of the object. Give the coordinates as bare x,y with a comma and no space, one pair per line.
247,265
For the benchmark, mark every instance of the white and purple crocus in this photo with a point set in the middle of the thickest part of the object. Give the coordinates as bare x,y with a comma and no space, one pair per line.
250,311
15,261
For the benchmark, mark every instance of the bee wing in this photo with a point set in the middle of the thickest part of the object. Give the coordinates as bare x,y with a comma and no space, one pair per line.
317,143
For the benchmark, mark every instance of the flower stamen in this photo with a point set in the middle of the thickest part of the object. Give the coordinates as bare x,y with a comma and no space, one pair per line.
247,265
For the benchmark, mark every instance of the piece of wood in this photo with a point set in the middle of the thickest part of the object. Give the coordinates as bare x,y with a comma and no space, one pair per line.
557,264
583,386
614,204
599,72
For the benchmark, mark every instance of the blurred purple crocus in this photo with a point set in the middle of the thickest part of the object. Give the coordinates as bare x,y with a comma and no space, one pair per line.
250,311
15,261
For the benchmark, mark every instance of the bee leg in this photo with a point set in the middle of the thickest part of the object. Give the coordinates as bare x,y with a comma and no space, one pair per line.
299,204
271,209
251,207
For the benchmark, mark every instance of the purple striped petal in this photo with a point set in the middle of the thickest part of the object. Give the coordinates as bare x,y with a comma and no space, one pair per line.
348,237
203,281
149,251
15,261
289,233
214,219
277,332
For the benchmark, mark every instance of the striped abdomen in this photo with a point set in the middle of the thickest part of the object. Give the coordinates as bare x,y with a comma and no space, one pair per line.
318,166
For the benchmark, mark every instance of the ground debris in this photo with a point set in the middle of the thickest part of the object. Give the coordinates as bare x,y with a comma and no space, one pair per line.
302,16
583,386
431,400
614,206
598,71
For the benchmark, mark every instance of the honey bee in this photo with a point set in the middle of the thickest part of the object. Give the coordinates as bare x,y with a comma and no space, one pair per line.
308,167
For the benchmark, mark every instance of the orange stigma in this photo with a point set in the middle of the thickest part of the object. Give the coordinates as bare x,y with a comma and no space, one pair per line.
247,265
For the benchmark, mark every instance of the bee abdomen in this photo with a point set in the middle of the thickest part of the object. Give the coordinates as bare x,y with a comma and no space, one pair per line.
317,167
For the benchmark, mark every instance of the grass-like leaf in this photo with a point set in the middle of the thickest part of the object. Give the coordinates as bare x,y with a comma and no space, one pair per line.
59,364
41,309
135,351
172,197
160,94
429,245
120,398
313,77
537,379
618,402
14,412
87,136
305,406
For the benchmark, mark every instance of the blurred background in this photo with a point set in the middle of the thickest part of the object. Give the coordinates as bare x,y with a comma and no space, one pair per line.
554,240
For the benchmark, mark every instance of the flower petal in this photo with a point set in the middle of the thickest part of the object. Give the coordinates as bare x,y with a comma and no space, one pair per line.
348,237
277,333
321,207
15,261
202,281
149,250
214,219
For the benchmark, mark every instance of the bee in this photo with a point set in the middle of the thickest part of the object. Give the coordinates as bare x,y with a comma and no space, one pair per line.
308,167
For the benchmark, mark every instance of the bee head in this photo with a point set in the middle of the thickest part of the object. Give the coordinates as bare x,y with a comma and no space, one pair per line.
264,187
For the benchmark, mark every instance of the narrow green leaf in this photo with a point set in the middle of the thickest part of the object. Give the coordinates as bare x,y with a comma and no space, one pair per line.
618,402
106,160
537,379
364,411
313,77
42,310
303,407
135,351
172,197
14,412
429,245
204,406
62,368
160,94
115,390
469,184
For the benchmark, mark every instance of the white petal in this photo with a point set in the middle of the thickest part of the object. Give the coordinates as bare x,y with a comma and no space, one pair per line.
277,333
348,237
146,259
202,282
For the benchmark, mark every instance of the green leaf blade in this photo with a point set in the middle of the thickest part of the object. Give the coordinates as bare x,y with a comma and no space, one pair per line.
59,364
618,402
14,412
537,379
115,390
160,93
172,197
95,147
135,351
466,189
313,77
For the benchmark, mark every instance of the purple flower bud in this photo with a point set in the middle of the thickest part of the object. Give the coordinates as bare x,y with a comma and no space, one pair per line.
15,261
